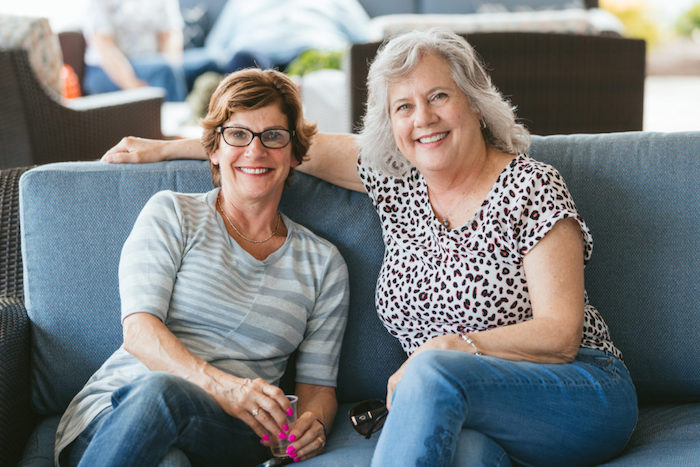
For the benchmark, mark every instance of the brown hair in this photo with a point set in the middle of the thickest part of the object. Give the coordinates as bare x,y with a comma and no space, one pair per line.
252,89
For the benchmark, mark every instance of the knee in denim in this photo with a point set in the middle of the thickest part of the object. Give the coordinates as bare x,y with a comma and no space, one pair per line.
149,386
427,370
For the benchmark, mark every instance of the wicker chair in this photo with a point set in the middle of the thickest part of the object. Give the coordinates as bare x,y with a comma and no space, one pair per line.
14,324
37,128
560,83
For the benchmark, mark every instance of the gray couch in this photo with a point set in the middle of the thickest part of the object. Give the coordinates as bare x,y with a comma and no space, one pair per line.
637,191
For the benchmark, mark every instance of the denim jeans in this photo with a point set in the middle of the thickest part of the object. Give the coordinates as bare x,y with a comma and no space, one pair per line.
156,71
578,413
162,419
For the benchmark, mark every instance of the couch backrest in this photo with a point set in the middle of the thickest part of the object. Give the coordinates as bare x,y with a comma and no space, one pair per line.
637,191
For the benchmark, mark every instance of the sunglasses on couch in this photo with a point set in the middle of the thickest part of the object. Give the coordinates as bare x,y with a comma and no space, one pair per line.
368,416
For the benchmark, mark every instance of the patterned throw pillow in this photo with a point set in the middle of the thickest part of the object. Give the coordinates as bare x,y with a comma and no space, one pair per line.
44,51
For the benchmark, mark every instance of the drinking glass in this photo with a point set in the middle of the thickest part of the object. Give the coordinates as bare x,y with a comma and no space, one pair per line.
279,446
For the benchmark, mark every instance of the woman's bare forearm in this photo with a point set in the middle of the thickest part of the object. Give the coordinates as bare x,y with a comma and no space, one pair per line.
333,157
149,340
135,150
115,63
320,400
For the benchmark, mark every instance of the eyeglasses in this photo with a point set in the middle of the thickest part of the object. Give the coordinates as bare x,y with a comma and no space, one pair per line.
274,138
368,417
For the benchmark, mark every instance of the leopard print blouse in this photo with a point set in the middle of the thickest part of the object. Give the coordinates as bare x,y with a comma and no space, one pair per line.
436,281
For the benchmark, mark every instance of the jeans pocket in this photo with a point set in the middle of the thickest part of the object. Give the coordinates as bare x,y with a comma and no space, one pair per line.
603,362
608,365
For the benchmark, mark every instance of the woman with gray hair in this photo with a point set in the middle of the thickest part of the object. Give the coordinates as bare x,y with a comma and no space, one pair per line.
483,275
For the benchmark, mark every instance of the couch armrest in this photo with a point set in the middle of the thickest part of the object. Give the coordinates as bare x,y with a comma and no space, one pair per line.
15,414
16,418
117,98
42,128
11,284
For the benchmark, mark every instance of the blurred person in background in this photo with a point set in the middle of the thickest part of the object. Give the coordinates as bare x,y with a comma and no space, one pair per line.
134,43
272,33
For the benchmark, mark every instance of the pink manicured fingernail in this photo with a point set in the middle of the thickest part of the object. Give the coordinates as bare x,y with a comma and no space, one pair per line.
282,435
296,459
290,412
290,450
292,438
285,427
266,437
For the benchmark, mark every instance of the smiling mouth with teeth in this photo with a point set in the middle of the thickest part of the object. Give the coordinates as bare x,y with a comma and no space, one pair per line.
433,138
253,171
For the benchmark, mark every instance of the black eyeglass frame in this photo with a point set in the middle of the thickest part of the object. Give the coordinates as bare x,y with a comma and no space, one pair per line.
253,134
370,413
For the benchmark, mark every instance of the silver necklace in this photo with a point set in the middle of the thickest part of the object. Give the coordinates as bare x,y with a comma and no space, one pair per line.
445,221
274,232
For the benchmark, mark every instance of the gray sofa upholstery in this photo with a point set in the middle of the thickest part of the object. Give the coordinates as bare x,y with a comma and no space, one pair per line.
637,191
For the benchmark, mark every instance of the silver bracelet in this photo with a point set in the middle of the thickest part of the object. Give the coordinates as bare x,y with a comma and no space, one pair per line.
469,341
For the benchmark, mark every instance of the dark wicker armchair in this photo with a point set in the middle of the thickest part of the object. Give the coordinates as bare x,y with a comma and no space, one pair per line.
37,128
560,83
14,325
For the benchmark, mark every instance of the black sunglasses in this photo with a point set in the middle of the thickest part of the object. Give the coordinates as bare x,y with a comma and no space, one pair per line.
368,416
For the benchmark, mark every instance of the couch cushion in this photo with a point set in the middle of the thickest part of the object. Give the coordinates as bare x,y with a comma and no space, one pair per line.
477,6
560,21
638,192
665,435
369,354
74,220
39,448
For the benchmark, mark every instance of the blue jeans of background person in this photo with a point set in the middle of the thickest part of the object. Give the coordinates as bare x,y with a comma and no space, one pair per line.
156,71
162,419
579,413
198,61
248,59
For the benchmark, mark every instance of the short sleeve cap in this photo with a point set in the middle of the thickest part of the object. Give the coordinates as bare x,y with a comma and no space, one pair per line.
541,201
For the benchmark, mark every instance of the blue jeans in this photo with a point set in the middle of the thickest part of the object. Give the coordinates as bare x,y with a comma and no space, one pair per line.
579,413
198,61
156,71
162,419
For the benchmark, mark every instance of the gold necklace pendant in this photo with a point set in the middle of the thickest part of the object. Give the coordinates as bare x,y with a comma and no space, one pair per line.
249,240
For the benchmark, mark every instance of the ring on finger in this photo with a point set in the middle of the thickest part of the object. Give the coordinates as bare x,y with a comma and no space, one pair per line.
255,412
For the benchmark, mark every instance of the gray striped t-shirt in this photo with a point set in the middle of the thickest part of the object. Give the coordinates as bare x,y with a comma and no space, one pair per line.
242,315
